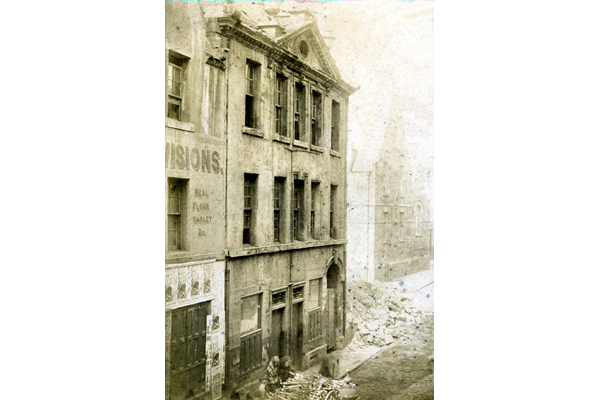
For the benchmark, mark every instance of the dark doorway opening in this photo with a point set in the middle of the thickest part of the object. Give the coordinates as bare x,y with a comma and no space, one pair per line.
333,306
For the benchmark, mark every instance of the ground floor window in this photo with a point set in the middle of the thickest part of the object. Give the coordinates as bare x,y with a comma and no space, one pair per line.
251,333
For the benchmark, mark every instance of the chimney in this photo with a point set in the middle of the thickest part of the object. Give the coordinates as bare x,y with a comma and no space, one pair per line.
272,7
272,28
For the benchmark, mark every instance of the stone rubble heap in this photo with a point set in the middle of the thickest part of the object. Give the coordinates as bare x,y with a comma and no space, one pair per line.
382,313
310,386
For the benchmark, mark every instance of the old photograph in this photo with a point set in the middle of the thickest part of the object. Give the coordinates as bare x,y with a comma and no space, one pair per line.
299,235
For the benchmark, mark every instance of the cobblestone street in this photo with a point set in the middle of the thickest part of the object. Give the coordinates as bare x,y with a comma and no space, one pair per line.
399,372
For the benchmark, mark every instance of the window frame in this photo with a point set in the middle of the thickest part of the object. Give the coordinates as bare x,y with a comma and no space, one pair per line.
246,358
299,111
280,101
248,206
278,187
335,125
297,209
251,92
332,195
176,61
316,111
179,216
314,203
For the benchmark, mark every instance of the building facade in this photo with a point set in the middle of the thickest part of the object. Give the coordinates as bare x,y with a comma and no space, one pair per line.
286,192
195,162
389,211
255,160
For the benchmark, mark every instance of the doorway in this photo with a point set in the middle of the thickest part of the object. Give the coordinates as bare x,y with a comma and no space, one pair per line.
188,351
277,345
333,305
296,337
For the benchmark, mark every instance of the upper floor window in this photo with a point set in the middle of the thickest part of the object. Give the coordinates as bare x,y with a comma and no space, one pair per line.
278,185
281,105
314,202
297,208
315,119
175,73
249,199
176,208
332,195
252,87
335,125
299,111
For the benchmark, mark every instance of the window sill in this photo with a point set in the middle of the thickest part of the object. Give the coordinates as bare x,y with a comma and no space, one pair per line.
283,139
316,148
252,132
335,154
182,126
300,144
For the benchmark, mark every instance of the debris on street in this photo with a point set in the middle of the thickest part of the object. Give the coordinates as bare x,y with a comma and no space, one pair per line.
385,312
310,386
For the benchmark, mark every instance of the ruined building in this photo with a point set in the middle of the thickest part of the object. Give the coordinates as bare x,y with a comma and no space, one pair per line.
389,210
256,135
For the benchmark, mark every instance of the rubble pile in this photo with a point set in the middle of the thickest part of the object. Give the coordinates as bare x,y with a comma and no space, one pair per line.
382,313
311,386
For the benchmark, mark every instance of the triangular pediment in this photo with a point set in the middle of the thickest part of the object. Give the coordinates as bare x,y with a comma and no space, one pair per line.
308,44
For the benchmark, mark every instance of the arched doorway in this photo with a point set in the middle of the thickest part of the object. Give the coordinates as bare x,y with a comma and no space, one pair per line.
334,302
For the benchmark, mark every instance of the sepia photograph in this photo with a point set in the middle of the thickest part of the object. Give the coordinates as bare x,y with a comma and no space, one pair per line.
299,229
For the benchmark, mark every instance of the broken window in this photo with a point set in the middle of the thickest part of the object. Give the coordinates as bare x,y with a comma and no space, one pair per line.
252,75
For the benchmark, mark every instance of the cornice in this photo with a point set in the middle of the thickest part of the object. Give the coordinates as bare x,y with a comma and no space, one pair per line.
233,29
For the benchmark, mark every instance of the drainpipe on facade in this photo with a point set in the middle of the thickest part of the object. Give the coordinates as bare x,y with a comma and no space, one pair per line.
227,276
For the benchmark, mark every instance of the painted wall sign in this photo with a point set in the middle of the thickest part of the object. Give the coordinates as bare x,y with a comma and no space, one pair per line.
183,158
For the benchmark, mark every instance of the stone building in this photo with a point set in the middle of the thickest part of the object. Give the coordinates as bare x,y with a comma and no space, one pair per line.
195,162
256,136
391,232
286,190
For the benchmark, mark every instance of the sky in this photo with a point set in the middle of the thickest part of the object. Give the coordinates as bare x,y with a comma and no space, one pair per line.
386,48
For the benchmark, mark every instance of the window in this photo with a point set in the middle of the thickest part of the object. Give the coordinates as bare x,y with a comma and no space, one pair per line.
278,298
314,302
281,105
249,188
297,207
314,294
251,333
298,111
252,77
335,125
314,202
331,210
298,293
278,187
315,119
176,208
175,70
